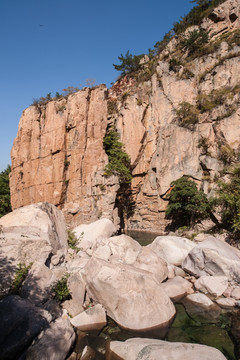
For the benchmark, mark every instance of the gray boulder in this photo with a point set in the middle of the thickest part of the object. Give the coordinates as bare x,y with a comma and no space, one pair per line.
213,257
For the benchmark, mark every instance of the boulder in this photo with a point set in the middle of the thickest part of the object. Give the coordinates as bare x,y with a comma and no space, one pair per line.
214,285
131,297
41,221
150,349
20,323
173,249
226,303
73,307
199,306
39,282
77,287
148,260
213,257
88,234
122,248
54,343
92,320
236,293
177,288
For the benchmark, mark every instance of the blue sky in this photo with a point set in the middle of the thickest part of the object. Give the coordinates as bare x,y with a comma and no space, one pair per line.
78,40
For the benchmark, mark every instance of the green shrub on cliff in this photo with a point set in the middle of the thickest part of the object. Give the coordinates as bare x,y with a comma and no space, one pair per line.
119,160
129,63
187,204
5,205
194,41
228,199
187,115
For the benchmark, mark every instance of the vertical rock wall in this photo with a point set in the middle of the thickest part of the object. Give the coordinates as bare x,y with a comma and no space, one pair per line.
58,153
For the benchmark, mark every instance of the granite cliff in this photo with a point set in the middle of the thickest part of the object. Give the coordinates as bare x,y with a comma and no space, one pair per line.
178,115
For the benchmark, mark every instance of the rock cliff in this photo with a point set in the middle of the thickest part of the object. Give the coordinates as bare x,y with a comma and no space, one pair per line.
174,118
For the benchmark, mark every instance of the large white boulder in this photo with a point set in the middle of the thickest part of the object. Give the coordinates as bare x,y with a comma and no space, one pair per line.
122,248
131,296
173,249
213,257
41,221
125,250
89,233
27,235
150,349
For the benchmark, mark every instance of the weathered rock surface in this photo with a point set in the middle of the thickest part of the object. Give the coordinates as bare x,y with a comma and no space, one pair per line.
149,349
119,287
58,153
213,257
177,288
214,285
42,221
200,306
89,233
92,320
173,249
54,343
30,234
20,323
39,282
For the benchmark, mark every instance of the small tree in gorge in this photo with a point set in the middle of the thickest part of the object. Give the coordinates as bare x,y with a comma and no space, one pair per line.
187,205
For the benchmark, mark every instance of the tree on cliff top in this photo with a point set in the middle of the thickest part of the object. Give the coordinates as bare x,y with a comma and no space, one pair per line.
129,63
5,205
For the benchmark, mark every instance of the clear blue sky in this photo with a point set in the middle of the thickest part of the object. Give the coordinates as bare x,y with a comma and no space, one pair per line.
78,40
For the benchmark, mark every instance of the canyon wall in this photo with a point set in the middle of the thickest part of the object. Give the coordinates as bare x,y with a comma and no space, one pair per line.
58,154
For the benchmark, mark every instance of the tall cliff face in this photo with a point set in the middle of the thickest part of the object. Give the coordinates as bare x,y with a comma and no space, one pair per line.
58,154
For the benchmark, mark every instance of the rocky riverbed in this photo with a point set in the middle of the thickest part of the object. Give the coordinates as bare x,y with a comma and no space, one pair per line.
174,296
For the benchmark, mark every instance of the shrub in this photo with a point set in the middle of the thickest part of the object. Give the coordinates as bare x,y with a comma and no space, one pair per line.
60,289
72,241
5,204
187,74
203,144
129,63
119,160
226,154
174,64
187,204
112,106
20,276
228,198
194,40
187,115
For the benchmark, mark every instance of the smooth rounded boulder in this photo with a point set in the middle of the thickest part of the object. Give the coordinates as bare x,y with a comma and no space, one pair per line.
87,234
131,297
150,349
172,249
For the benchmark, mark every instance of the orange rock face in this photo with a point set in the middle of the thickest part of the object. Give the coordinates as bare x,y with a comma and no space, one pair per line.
58,153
